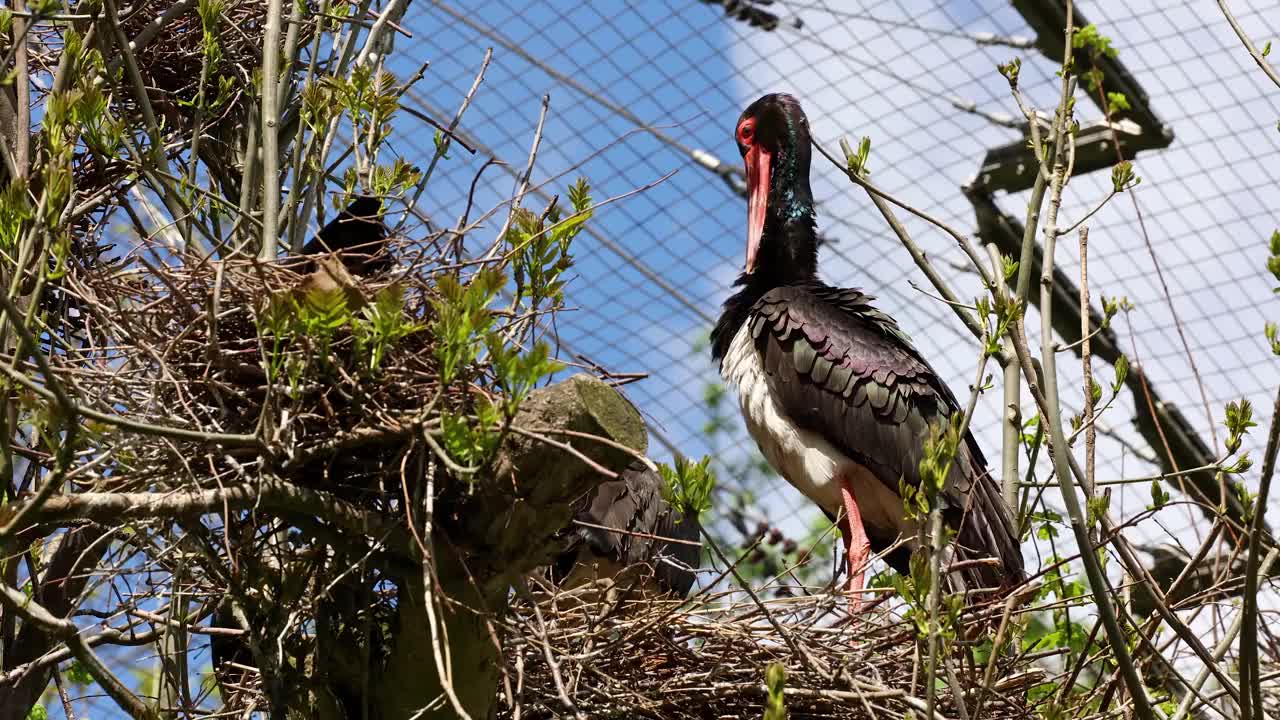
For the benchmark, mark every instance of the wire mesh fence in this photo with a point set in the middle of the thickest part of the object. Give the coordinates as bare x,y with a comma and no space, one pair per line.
641,97
644,89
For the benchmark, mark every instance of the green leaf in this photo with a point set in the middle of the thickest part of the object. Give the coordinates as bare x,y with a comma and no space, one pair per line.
380,325
1122,373
775,681
580,195
1159,496
1092,79
1097,43
470,442
77,673
15,212
864,153
1011,70
939,450
518,373
1122,176
1238,421
1098,507
689,485
856,162
1241,465
1273,261
1118,101
462,318
1095,391
1010,266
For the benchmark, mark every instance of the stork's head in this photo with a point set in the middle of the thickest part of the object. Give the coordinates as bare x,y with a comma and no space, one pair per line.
773,137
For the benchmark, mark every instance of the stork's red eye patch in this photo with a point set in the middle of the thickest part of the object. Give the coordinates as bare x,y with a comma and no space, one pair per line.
746,131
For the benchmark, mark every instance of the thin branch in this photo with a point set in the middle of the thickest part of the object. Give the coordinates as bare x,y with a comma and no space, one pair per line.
879,199
386,19
138,426
1051,413
1086,360
443,147
1011,409
1085,219
523,183
961,238
1254,52
66,631
1251,695
1220,651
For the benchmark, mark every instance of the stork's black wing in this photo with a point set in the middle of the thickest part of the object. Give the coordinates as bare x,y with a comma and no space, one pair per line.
845,370
626,522
358,235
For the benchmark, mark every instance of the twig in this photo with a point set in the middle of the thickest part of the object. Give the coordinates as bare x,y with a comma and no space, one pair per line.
138,426
966,245
444,130
443,147
1083,220
1051,412
65,630
1086,360
934,600
796,649
988,674
276,495
439,650
1220,651
270,132
22,83
879,199
558,681
1254,52
566,447
394,9
523,182
1011,404
1250,669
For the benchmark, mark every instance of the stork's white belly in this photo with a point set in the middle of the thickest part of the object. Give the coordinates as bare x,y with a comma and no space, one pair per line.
803,457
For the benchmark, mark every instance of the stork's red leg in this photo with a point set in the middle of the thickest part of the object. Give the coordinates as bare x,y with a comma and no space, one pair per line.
857,548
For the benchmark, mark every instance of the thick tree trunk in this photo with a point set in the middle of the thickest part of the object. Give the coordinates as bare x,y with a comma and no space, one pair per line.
514,517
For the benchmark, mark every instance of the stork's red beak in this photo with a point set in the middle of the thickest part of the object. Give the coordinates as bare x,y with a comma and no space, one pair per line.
758,160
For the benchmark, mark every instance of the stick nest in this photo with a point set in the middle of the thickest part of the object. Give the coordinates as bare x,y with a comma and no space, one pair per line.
240,348
660,659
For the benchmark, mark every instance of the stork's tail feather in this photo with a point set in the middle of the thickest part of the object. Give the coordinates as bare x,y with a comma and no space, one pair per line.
987,550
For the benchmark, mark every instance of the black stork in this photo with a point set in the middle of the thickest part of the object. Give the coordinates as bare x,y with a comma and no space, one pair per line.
627,533
358,236
832,390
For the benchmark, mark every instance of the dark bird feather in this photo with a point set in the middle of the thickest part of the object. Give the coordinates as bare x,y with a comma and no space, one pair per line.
358,236
846,371
836,367
628,526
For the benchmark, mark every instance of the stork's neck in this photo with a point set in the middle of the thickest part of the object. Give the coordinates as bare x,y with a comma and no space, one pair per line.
788,255
788,246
